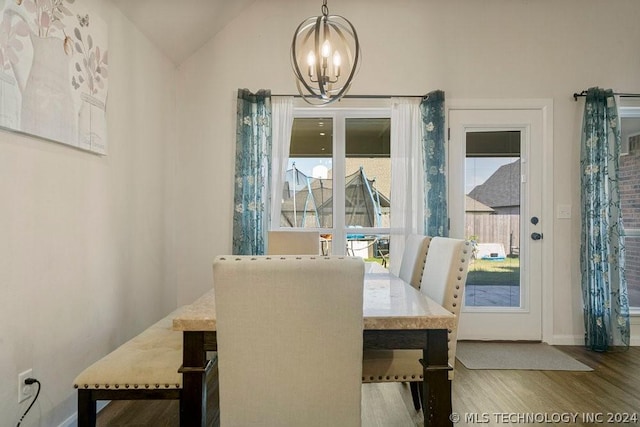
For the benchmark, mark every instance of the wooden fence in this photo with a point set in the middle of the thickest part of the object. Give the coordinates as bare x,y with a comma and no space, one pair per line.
504,229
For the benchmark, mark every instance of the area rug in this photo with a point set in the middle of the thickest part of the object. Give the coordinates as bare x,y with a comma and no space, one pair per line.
525,356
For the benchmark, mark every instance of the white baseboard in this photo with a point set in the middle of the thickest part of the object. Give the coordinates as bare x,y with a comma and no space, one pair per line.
634,340
72,421
567,340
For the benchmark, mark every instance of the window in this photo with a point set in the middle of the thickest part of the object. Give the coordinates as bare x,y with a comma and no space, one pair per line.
630,200
338,179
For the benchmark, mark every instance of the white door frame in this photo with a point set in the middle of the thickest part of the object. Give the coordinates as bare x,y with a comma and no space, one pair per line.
545,106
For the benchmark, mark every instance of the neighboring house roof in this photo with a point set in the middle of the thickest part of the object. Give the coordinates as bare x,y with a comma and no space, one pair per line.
472,205
502,189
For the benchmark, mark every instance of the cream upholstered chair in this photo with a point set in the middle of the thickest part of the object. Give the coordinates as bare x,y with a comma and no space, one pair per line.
413,259
289,334
295,242
443,280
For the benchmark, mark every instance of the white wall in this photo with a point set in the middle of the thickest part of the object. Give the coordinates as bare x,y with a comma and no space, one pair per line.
471,49
84,239
94,249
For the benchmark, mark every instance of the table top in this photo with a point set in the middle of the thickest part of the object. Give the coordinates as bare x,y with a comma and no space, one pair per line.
388,303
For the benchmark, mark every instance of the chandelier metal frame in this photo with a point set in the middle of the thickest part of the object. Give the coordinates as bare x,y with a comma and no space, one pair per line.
323,37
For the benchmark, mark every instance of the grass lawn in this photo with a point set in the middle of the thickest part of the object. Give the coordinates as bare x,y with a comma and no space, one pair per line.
498,273
484,272
378,260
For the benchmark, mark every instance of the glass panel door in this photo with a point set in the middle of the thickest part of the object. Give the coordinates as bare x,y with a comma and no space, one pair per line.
492,218
495,197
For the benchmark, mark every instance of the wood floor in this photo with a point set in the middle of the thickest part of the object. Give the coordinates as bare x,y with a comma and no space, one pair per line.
613,387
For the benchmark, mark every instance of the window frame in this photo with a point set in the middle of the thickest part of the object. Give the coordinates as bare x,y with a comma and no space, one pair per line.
630,109
339,116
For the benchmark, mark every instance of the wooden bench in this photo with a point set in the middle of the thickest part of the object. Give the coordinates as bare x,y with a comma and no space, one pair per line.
144,368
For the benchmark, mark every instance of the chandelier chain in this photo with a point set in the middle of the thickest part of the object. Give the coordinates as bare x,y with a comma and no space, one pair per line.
325,9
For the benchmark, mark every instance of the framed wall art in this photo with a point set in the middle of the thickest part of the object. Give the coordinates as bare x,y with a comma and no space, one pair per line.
54,72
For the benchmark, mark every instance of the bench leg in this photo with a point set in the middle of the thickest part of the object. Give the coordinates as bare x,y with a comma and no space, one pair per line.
86,409
193,401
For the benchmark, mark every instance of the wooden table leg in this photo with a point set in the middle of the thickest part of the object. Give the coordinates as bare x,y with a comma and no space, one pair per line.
193,402
436,404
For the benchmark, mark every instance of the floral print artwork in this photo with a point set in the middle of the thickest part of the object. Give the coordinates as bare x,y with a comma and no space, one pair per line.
253,166
435,179
602,254
53,72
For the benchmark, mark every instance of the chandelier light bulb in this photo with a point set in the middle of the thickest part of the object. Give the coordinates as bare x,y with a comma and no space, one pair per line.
337,60
311,61
327,48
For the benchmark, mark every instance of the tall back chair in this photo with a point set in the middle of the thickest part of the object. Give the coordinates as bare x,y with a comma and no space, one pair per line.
289,335
413,259
443,280
297,242
445,274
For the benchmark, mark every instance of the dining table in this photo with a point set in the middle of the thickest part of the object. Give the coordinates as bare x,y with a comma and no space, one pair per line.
395,316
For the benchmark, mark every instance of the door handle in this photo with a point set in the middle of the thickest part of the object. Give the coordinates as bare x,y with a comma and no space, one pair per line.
536,236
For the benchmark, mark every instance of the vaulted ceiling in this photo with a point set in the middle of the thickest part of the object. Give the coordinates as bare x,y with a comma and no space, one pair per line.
181,27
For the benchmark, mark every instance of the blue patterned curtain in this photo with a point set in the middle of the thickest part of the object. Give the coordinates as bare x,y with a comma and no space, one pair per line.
253,165
604,287
436,221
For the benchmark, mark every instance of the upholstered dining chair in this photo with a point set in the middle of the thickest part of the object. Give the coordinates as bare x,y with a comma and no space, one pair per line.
443,280
295,242
289,334
413,259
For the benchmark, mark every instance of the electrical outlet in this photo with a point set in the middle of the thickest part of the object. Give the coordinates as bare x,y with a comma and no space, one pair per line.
25,391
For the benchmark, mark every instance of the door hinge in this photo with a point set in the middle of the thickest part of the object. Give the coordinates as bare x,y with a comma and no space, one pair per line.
448,134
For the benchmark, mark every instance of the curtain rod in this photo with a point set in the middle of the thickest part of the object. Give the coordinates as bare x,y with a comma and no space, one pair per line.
368,96
622,95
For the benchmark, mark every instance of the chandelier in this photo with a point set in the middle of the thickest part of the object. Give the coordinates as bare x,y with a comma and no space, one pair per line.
325,54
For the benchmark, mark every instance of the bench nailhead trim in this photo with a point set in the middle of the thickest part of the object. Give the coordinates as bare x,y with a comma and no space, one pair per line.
118,386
